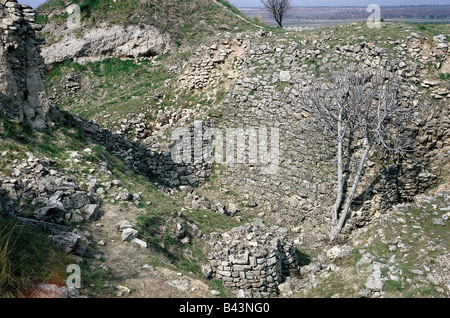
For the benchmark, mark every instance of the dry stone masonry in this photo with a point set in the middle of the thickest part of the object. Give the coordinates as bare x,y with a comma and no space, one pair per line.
300,192
22,89
253,258
151,163
221,61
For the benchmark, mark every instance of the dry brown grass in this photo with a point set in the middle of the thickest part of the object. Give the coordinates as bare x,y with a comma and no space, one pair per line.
6,277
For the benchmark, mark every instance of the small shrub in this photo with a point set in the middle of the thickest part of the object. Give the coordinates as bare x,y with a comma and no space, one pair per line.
42,19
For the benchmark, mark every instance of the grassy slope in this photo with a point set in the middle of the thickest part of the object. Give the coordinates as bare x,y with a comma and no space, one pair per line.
188,22
405,270
112,85
156,221
113,82
116,87
27,257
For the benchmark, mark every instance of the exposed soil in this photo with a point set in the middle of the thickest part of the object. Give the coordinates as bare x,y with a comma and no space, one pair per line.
128,262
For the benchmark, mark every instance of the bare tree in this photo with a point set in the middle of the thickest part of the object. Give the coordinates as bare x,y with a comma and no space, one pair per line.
360,112
279,9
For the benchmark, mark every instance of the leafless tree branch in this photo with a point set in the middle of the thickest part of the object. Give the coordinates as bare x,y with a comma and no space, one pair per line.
358,108
279,9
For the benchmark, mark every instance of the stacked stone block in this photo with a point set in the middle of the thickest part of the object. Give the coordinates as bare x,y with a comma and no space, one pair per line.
253,258
23,94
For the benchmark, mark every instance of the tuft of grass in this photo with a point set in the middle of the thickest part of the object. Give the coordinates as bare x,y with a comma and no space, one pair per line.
392,286
95,278
15,130
445,76
42,19
35,259
216,284
6,278
280,87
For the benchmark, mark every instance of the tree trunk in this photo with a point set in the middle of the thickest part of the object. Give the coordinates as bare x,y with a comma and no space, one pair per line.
340,172
337,227
279,21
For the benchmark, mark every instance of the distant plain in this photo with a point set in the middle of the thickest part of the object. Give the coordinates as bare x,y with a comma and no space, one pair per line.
327,16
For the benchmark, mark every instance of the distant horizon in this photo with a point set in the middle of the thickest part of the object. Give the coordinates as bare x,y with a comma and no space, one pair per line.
350,6
344,3
313,3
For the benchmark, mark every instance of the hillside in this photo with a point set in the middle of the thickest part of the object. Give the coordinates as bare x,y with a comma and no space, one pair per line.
185,22
103,183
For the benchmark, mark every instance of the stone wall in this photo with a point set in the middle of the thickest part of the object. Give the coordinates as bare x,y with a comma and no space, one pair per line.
155,164
222,61
302,190
22,88
253,258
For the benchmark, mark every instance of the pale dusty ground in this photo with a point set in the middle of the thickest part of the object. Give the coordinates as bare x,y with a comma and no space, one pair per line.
126,261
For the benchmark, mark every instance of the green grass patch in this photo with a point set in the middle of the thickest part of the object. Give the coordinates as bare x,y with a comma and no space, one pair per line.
280,87
209,222
116,86
445,76
392,286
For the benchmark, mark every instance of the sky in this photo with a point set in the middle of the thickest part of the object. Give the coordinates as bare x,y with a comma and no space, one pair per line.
257,3
32,3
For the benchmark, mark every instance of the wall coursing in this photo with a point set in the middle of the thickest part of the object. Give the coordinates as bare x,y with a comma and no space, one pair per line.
253,258
301,192
22,88
151,163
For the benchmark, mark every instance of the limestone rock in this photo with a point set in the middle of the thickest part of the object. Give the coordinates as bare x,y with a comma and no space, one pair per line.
125,225
285,76
129,234
114,41
67,241
123,291
338,251
92,211
139,242
77,200
52,214
241,294
374,282
366,259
